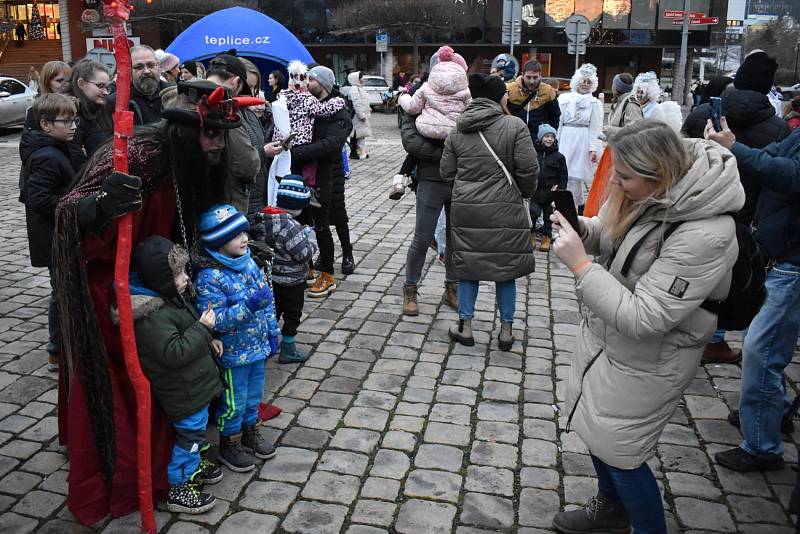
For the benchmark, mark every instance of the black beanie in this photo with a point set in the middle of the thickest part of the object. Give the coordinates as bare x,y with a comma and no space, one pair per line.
191,66
157,261
485,86
757,73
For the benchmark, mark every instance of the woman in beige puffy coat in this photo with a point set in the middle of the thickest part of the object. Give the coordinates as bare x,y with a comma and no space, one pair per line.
363,112
643,331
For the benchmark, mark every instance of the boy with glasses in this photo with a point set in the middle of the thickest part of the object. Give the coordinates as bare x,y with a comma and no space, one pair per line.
48,169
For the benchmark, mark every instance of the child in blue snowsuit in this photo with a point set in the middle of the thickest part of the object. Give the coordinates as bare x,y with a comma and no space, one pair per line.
230,283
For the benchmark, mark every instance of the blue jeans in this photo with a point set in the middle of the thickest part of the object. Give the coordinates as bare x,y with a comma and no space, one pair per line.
718,336
638,492
441,233
506,298
345,162
238,406
190,442
767,350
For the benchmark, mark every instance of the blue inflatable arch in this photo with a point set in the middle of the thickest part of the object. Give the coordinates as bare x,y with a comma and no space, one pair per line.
253,34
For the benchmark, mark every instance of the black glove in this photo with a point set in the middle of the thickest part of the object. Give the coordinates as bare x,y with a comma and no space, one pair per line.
261,253
120,194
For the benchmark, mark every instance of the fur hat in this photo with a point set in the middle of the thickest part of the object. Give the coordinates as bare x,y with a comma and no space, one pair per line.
545,129
484,86
292,193
757,73
191,66
298,75
157,262
220,224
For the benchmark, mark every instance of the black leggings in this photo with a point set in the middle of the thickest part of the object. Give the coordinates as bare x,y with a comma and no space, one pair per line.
289,305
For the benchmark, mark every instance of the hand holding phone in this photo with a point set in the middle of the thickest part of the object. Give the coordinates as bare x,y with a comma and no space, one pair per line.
565,204
715,110
287,143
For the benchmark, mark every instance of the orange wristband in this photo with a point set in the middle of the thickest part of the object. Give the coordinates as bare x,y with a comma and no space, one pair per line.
583,264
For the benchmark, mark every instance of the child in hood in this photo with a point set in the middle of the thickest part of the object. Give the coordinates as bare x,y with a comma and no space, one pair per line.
294,246
553,175
230,283
439,102
178,355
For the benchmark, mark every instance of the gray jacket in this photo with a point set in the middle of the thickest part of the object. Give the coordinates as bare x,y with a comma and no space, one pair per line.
490,223
642,336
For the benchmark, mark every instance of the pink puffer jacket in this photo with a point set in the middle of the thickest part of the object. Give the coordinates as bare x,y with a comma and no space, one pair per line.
440,100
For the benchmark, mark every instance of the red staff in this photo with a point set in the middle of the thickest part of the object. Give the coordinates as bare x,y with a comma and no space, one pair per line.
117,12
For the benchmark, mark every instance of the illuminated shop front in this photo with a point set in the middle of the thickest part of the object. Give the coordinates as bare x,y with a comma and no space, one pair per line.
17,11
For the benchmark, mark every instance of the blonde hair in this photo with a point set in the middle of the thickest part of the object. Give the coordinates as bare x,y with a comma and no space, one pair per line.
652,150
50,70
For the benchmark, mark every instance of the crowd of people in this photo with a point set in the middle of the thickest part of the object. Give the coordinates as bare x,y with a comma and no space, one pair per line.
235,181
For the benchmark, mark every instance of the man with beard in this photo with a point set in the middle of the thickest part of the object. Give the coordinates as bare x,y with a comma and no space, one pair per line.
330,135
146,87
531,100
178,169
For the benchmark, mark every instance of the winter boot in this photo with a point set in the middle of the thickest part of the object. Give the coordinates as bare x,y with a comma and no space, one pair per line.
233,455
506,338
545,245
188,498
290,354
450,296
462,333
348,264
311,277
252,439
600,514
323,286
208,472
410,306
398,188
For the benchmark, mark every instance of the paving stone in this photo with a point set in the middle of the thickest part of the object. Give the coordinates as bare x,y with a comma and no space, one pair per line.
39,504
273,497
322,418
369,418
404,441
340,384
374,513
246,522
418,516
439,457
355,439
363,529
348,463
60,526
19,483
490,480
539,429
326,399
391,366
539,453
299,389
494,454
17,524
376,399
450,413
380,488
322,486
495,431
503,374
469,379
578,490
211,517
706,407
756,510
407,423
687,485
699,514
496,411
679,434
438,485
743,483
501,391
25,389
390,464
306,438
537,507
447,434
411,408
537,477
487,511
716,431
314,518
684,459
293,465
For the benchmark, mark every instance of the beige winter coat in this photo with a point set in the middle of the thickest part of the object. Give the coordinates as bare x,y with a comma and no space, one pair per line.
360,99
642,336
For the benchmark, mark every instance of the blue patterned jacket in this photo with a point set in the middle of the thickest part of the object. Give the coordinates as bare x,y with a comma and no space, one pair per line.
245,335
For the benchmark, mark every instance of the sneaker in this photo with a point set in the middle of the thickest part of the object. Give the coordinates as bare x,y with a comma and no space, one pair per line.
290,354
787,425
311,277
740,460
208,472
450,296
188,499
233,455
545,245
410,306
323,286
253,440
348,264
721,353
598,515
398,187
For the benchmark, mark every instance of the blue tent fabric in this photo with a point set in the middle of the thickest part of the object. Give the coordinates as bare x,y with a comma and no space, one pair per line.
250,32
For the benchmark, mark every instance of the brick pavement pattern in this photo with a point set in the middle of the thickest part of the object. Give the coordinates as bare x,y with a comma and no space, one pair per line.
388,427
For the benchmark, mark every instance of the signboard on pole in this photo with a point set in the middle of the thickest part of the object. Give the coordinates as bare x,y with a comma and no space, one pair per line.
512,22
381,42
699,21
576,48
677,14
577,28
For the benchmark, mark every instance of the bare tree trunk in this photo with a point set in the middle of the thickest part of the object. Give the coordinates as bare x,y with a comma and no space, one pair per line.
687,85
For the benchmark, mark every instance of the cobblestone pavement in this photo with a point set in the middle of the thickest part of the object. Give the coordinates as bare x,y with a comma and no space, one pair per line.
388,427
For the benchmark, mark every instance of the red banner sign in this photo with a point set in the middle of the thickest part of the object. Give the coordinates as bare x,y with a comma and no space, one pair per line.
677,14
697,21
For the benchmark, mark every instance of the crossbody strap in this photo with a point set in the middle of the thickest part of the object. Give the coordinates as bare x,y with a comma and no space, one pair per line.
499,162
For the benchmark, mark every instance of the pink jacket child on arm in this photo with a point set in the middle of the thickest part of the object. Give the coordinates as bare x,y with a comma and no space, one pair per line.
441,99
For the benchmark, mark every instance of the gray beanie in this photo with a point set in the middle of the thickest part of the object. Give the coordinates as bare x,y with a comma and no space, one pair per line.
324,76
619,84
545,129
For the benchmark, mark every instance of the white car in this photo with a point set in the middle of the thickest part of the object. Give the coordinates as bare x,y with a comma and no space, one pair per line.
15,99
375,87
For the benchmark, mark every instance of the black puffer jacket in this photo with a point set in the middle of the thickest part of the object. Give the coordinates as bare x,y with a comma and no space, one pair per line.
94,129
46,175
427,151
553,167
146,108
752,119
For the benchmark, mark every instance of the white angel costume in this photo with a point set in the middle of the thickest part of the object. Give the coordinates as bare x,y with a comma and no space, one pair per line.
282,163
579,129
648,92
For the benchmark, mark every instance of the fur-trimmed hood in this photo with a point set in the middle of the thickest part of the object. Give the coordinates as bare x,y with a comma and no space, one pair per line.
143,305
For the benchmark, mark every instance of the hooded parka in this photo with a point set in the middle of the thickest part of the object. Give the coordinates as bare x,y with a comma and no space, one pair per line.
491,226
360,99
642,336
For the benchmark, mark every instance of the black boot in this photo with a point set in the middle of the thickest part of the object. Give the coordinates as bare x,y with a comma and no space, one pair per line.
348,264
233,455
253,440
600,514
208,473
187,498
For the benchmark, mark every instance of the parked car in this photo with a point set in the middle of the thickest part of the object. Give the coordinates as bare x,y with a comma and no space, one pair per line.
375,87
15,99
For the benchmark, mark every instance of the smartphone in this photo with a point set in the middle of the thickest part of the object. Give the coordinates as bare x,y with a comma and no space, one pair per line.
287,142
565,205
715,108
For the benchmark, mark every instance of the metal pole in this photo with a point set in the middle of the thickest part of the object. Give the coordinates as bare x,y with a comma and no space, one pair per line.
678,78
513,29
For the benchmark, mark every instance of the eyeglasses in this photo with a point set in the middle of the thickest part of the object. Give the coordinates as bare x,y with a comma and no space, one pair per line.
67,122
148,66
100,86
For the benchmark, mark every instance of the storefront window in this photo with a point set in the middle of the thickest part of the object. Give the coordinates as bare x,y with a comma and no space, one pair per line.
643,14
48,12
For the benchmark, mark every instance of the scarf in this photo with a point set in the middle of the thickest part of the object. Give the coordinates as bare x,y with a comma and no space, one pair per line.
234,264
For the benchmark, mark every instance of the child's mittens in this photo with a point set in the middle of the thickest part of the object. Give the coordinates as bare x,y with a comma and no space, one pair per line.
259,300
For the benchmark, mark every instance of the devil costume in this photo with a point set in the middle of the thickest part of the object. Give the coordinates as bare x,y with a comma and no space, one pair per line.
97,408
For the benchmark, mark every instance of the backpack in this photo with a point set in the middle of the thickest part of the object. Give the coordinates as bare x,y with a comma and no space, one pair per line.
348,103
748,291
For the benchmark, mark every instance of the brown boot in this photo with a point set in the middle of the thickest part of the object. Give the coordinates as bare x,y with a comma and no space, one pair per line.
721,353
545,246
410,306
324,286
450,296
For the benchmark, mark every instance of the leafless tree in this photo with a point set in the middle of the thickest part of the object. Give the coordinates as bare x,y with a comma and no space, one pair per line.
415,17
779,38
